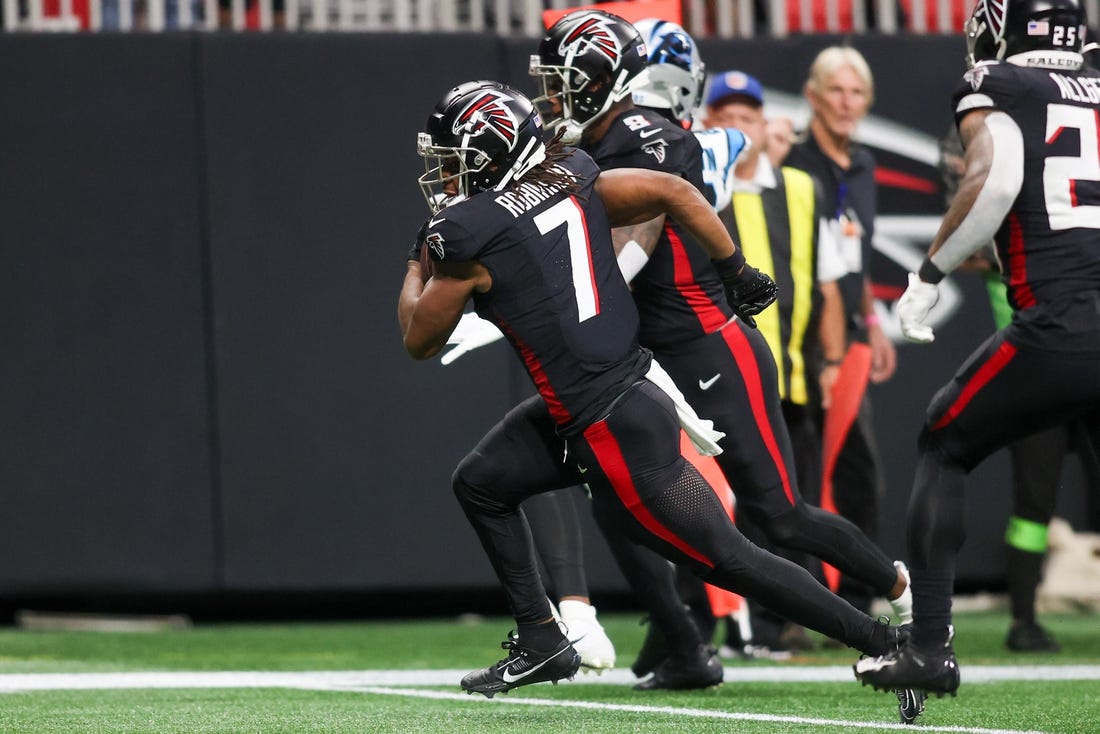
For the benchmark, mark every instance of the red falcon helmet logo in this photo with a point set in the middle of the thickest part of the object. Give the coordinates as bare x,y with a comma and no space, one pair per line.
995,13
488,112
596,33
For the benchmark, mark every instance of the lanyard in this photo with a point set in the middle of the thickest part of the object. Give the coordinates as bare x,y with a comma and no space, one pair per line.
841,196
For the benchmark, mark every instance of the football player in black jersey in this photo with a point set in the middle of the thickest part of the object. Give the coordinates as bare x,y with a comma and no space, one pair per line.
1027,114
722,364
524,232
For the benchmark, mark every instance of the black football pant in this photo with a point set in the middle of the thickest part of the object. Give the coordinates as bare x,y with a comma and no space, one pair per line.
1002,392
556,530
757,457
631,461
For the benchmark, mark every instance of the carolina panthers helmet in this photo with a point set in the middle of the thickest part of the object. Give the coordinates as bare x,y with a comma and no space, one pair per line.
587,61
1001,28
676,71
482,136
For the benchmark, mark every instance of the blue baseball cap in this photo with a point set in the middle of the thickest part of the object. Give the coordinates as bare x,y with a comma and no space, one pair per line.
730,83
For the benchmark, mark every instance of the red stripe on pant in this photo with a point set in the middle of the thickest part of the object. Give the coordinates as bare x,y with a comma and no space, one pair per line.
996,362
750,373
613,464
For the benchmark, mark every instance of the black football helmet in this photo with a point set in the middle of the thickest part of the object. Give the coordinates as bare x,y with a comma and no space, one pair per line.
587,61
1002,28
482,136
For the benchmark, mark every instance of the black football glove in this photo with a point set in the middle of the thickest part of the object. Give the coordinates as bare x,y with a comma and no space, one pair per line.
748,290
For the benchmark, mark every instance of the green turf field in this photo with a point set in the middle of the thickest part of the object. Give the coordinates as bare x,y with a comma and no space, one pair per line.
344,677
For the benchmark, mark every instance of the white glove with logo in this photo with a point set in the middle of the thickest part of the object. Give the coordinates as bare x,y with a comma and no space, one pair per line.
913,308
471,332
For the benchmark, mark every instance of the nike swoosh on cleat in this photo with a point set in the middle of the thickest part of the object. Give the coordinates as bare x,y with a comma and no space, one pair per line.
509,678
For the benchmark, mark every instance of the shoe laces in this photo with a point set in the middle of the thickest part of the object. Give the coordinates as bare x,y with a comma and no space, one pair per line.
512,645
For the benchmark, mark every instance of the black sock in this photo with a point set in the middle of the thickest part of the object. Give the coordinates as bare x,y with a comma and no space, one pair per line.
931,609
542,637
1023,578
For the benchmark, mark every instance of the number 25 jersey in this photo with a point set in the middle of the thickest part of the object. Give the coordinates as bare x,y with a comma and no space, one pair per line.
1049,244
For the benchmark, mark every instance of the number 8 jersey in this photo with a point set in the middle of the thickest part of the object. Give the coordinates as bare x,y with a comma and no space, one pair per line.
1049,244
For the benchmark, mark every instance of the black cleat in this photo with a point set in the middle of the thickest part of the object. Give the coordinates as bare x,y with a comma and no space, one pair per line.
1030,637
702,669
654,651
909,667
886,639
522,667
910,704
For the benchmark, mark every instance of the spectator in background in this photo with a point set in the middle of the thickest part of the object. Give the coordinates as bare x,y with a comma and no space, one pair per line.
779,215
840,90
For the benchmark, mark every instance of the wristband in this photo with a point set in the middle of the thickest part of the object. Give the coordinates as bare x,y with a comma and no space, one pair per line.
871,319
834,362
632,258
730,267
929,273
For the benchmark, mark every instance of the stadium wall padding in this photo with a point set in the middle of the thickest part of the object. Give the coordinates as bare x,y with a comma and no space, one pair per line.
203,384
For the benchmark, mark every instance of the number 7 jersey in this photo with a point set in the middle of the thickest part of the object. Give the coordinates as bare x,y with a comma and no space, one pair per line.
1049,244
557,293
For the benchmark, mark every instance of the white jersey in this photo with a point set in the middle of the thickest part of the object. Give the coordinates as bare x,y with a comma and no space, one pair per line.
721,148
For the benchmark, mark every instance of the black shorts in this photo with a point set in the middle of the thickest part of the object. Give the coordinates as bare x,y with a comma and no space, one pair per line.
1005,391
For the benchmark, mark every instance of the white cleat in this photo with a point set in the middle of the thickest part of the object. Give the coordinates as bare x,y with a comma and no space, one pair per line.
587,636
903,605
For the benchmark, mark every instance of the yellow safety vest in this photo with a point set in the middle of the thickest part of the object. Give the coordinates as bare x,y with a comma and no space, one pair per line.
777,230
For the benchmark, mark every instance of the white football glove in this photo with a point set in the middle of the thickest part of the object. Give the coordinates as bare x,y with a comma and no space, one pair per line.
913,308
471,332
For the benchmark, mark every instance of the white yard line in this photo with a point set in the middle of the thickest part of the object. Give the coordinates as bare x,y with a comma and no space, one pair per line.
689,712
333,679
383,682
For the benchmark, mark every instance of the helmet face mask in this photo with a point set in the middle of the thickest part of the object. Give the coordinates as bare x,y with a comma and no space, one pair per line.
676,70
446,175
587,61
482,136
999,29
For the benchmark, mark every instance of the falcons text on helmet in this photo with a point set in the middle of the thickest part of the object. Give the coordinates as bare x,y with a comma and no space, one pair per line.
488,112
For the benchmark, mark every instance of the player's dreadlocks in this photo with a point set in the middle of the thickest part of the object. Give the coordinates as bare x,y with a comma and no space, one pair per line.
548,172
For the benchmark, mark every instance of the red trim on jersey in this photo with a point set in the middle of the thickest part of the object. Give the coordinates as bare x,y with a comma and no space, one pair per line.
899,180
542,381
981,378
750,372
1073,192
1017,264
588,251
1054,135
613,464
706,310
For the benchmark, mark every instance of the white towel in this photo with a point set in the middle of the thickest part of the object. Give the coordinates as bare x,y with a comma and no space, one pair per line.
700,430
